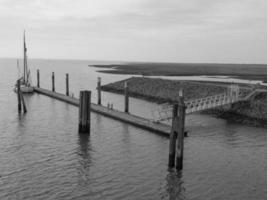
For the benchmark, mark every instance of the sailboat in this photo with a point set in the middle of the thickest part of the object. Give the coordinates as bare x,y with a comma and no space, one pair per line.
25,80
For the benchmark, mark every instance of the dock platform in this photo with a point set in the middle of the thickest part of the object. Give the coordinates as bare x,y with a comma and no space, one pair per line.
134,120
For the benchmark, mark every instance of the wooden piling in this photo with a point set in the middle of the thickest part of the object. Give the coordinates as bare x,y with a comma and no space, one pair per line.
53,81
85,111
180,136
38,78
126,96
173,136
99,90
19,97
67,84
23,102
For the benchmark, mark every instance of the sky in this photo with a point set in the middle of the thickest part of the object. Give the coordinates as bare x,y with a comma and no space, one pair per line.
214,31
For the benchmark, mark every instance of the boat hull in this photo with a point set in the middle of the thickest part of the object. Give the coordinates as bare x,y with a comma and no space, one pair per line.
25,89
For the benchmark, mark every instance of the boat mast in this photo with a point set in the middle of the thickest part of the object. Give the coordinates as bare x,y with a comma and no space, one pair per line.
18,68
25,60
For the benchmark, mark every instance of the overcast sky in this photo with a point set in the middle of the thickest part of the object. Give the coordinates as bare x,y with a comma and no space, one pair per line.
224,31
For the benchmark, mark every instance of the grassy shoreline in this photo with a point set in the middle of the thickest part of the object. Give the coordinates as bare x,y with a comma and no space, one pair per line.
162,90
243,71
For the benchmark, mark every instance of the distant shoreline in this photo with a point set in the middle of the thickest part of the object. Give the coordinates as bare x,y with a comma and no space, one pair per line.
242,71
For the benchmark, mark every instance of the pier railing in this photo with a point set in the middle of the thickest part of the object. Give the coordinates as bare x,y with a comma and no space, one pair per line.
233,95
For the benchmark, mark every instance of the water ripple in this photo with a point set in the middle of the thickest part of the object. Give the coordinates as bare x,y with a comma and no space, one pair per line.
43,157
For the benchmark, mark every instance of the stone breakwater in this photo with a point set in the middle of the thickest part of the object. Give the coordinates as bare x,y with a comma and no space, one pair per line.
253,112
162,90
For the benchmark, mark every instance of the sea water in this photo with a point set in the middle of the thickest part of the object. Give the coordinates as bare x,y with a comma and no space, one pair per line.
42,155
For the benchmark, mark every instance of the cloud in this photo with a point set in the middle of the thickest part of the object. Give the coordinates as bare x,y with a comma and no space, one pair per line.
178,26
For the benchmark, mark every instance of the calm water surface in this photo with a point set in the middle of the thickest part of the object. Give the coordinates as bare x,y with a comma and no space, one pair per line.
43,157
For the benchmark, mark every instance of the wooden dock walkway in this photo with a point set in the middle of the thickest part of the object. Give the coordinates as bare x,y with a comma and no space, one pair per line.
114,114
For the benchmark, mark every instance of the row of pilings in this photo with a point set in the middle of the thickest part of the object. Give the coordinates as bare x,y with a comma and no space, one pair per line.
99,99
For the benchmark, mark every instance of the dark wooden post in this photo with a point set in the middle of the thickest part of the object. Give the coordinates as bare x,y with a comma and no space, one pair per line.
38,78
180,136
53,81
99,90
85,111
173,136
126,94
67,84
18,92
23,102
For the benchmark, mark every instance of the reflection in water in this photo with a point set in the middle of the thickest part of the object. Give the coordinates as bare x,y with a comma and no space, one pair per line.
98,121
174,186
21,119
125,133
85,160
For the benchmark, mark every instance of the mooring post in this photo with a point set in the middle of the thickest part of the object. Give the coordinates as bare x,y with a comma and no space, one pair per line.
126,94
85,111
180,136
173,136
23,102
53,81
18,92
99,90
38,78
67,84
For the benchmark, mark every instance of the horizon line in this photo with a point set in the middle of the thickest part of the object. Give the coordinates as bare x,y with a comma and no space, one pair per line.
125,61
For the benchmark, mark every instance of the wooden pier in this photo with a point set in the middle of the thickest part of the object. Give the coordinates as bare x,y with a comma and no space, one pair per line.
114,114
179,110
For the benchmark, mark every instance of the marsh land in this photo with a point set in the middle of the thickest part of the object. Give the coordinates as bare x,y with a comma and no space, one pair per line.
243,71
